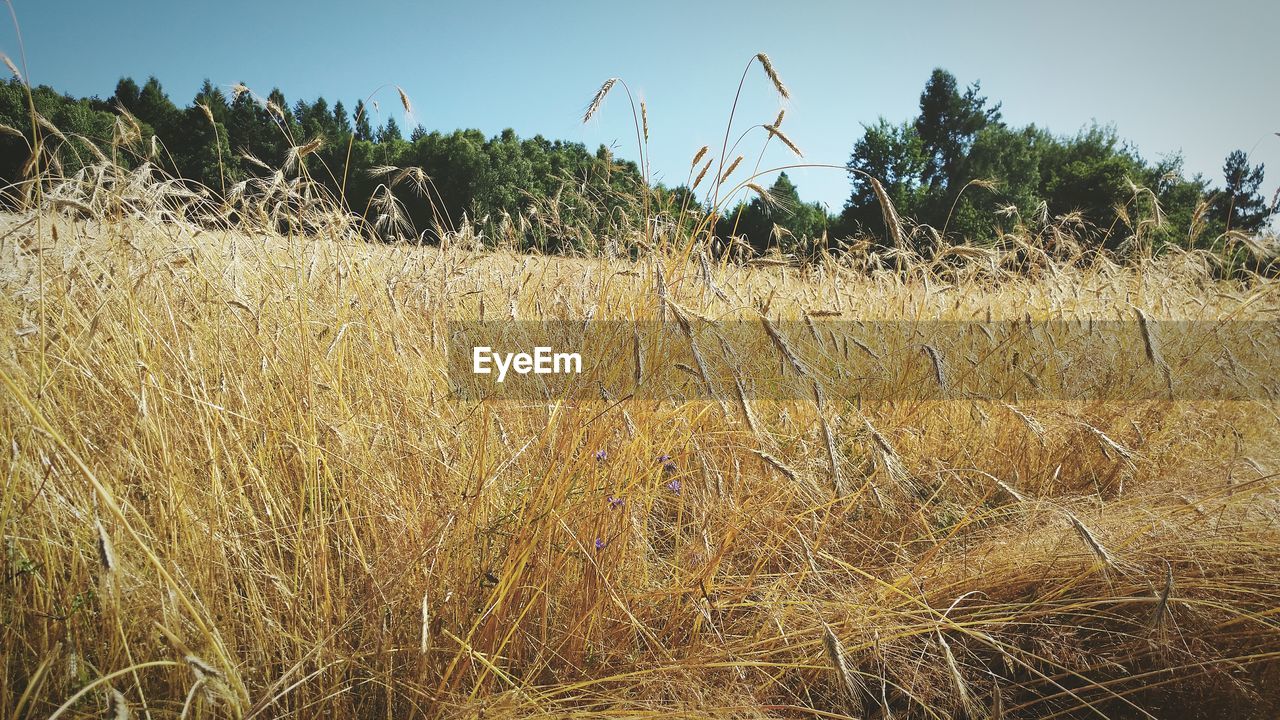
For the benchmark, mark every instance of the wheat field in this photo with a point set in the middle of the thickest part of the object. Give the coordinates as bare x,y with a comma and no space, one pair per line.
236,484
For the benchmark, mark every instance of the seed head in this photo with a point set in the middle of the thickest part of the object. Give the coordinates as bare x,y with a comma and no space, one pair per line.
769,70
599,98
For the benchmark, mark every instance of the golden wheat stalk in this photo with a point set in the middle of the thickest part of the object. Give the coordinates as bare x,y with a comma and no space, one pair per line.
765,196
732,166
783,346
106,551
701,174
1032,424
425,645
939,370
1162,600
891,220
769,70
1091,541
1149,344
310,147
775,132
777,464
12,68
599,98
852,689
747,413
833,459
957,679
1012,492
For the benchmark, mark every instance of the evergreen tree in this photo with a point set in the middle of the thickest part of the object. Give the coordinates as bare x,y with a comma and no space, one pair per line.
317,120
341,122
1240,205
390,132
947,125
127,93
278,108
364,131
780,220
214,99
156,109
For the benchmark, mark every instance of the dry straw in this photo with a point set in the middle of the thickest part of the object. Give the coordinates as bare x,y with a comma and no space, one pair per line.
778,465
852,689
106,551
833,459
1162,600
241,337
425,645
1091,541
939,370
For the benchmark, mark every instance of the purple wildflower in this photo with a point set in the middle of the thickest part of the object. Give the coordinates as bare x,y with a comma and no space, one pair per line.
600,544
616,503
674,486
602,455
668,465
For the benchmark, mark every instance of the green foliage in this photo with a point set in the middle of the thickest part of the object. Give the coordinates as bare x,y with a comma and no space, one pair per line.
437,180
780,220
947,125
363,130
958,168
83,125
390,132
894,155
154,108
1240,205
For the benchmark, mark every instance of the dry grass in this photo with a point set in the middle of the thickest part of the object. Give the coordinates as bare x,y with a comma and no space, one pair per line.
237,483
238,486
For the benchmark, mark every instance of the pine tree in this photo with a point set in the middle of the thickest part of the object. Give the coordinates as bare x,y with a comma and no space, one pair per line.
127,93
390,132
156,109
1240,205
341,122
364,131
947,125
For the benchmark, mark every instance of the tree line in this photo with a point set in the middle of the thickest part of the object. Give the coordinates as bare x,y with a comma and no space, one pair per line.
956,167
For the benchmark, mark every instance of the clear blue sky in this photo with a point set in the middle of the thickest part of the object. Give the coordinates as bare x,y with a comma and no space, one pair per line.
1201,78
